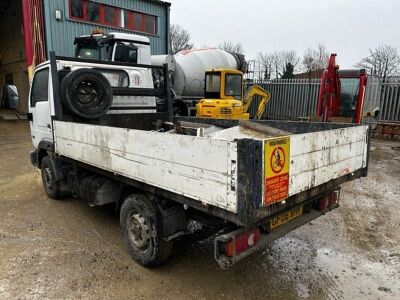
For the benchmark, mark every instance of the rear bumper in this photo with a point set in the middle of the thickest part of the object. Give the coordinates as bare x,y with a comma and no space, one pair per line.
265,238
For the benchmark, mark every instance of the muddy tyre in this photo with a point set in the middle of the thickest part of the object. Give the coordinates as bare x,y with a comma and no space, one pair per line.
142,231
86,93
50,184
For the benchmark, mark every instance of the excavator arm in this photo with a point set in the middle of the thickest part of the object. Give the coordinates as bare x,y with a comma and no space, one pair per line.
329,94
248,100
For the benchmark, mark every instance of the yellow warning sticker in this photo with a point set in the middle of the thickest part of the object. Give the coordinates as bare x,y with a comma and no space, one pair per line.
276,168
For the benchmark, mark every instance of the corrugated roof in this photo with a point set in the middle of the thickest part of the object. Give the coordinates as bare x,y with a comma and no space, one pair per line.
160,2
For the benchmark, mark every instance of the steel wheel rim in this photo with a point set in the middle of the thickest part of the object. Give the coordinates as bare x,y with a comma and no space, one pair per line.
138,231
88,94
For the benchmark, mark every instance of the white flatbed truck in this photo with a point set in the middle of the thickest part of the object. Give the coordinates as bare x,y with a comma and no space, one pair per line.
253,181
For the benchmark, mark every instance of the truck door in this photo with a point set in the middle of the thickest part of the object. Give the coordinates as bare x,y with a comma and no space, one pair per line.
39,107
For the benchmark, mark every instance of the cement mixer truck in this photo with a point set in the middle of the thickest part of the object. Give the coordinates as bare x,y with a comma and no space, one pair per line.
187,68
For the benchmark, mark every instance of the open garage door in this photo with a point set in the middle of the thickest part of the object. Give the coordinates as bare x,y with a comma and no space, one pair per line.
14,80
22,47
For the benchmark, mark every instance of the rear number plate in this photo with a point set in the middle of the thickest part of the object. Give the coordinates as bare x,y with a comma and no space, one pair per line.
285,218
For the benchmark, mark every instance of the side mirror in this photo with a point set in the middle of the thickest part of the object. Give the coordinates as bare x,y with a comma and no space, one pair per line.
12,98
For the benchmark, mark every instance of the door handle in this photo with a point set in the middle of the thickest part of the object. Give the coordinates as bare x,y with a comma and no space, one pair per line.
48,126
29,116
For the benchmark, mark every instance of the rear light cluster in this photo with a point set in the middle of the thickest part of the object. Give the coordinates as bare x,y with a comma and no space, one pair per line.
329,201
242,242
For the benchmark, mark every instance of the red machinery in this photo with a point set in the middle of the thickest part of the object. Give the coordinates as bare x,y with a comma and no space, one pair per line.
341,95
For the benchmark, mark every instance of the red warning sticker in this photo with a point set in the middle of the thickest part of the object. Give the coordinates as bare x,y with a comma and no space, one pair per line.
276,168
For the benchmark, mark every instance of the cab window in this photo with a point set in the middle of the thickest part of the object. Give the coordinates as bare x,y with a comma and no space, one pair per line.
93,49
213,85
233,86
126,53
40,87
349,96
88,49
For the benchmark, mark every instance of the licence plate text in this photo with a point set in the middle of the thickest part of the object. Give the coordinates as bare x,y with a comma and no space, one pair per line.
285,218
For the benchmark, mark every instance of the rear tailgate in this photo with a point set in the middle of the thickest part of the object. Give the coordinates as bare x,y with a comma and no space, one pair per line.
300,162
301,175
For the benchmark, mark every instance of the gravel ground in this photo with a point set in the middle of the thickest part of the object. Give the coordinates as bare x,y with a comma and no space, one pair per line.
66,249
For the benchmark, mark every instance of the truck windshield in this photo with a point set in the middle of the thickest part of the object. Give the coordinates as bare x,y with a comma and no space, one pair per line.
91,49
233,86
349,96
89,53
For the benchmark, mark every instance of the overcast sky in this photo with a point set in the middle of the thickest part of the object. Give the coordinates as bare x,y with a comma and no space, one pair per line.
347,27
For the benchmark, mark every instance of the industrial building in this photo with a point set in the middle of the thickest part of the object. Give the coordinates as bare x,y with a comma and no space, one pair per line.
30,29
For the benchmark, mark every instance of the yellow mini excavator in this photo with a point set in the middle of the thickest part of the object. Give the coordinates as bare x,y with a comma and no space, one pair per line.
224,99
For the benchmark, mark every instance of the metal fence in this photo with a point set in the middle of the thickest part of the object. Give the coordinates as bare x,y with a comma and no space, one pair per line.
385,95
295,98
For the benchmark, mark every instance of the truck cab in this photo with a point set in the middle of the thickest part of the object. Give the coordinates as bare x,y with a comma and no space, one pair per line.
114,46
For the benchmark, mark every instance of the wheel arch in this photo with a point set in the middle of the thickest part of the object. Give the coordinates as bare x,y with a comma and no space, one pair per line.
44,148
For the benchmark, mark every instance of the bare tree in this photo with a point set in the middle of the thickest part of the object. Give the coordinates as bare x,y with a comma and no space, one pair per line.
269,65
286,57
276,64
230,46
315,59
179,39
273,65
265,63
383,61
281,59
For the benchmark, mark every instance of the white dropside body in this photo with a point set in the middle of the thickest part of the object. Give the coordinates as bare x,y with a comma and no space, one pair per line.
205,168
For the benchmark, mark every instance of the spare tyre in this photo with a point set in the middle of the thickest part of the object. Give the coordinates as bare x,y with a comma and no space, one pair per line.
86,93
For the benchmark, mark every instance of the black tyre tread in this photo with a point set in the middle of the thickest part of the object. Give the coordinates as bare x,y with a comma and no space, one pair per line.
161,249
68,97
55,193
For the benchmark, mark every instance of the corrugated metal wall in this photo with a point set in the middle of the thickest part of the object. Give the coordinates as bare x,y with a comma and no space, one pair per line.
60,34
295,98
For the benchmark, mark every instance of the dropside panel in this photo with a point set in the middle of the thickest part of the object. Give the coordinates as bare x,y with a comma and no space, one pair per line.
318,157
199,168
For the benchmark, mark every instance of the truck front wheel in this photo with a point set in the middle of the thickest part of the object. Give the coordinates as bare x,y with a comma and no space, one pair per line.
51,186
142,231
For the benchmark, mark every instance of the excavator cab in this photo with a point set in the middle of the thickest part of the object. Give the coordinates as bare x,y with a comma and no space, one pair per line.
341,95
224,84
224,96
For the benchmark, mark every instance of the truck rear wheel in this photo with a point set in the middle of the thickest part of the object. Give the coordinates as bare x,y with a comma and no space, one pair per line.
51,186
142,231
86,93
